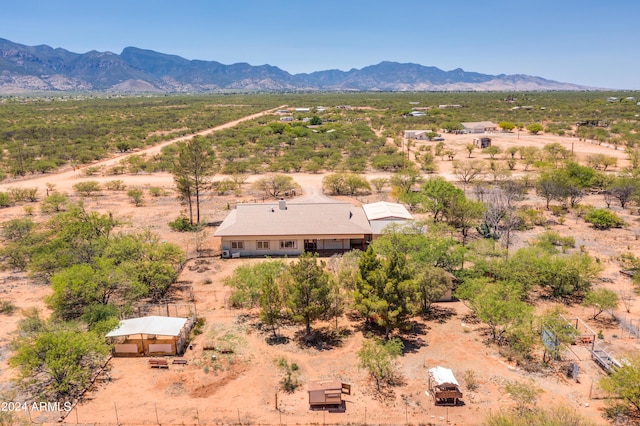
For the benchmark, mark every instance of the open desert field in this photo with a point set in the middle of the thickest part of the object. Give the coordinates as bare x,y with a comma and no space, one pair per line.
241,386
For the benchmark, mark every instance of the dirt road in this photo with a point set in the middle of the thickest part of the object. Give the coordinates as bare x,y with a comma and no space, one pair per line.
69,176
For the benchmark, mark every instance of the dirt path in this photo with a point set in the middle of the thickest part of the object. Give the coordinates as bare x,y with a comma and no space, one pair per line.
66,176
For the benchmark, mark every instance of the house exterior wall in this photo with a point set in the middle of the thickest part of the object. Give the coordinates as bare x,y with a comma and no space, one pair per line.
287,245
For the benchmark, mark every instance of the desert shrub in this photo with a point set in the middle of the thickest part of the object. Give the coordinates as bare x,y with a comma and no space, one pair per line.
555,416
7,307
156,191
550,239
530,218
182,224
470,380
289,382
603,219
115,185
87,187
136,196
5,200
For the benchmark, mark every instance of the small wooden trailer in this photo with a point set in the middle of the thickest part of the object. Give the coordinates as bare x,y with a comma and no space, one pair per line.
327,393
443,386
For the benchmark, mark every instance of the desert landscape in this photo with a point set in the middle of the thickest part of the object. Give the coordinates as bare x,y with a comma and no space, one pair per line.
241,386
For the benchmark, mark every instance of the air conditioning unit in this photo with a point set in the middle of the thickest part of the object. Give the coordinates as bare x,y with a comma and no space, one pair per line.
226,254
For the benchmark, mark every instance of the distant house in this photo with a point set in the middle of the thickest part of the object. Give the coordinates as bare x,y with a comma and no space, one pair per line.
479,127
420,135
449,106
289,229
286,118
303,109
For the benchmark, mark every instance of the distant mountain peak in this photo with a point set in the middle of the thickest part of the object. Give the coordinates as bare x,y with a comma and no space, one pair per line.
30,68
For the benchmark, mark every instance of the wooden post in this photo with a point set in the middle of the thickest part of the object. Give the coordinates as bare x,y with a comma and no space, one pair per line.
116,408
156,408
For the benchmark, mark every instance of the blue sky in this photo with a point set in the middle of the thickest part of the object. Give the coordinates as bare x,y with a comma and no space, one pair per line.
588,42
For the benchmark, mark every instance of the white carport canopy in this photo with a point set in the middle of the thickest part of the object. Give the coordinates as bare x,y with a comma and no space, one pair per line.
442,375
161,326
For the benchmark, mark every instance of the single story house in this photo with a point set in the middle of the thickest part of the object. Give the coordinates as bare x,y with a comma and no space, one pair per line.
479,127
289,228
150,336
382,214
420,135
279,229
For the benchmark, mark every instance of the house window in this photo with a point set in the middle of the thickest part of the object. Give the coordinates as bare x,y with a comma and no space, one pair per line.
262,245
237,245
288,244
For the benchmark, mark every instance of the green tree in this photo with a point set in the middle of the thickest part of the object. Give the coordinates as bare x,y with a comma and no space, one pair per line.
499,305
601,300
535,128
438,195
247,282
506,126
54,203
492,151
193,169
432,283
468,171
386,289
61,358
308,290
379,183
271,303
470,147
275,185
464,214
624,382
377,358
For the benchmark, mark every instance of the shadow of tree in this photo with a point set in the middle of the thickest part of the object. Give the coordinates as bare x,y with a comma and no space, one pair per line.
323,338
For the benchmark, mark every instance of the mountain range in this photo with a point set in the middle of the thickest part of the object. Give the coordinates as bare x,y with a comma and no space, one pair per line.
43,68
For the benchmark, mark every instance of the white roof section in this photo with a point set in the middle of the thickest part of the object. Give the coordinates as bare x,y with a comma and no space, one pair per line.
442,375
385,210
162,326
288,219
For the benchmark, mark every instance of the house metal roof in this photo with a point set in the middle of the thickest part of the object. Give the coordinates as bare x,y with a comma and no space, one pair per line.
161,326
479,124
270,219
385,210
